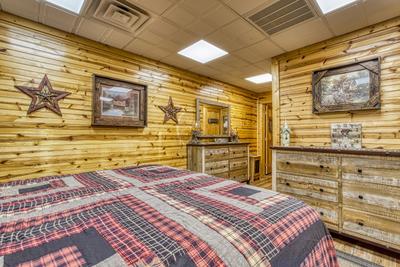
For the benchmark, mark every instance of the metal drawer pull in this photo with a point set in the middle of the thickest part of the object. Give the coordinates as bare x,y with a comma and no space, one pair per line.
288,184
321,213
287,162
321,166
360,197
359,170
321,190
360,224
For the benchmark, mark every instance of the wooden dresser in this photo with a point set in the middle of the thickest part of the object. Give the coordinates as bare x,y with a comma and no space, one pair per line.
356,192
227,160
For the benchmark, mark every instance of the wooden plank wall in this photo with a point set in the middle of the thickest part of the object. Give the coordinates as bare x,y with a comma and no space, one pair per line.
292,95
46,144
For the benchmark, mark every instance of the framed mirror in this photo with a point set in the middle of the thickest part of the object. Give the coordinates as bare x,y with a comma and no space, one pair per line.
213,118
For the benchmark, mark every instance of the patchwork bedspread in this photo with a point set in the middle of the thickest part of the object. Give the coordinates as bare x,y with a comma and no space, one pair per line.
156,216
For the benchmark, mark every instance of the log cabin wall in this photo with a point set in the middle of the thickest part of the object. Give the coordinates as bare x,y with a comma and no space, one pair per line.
292,90
44,143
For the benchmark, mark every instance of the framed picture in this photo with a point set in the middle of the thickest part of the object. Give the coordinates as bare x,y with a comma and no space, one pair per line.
346,135
119,103
347,88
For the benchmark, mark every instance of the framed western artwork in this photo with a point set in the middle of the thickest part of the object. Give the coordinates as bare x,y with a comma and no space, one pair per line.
347,88
119,103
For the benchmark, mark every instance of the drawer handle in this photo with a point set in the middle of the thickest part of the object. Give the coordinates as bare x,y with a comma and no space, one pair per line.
321,190
359,171
360,223
321,166
288,184
287,163
321,213
360,197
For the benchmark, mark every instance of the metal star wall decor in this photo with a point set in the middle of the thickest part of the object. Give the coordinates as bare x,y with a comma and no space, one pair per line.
170,111
44,96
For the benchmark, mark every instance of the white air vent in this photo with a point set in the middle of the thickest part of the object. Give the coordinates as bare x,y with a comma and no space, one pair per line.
281,15
120,13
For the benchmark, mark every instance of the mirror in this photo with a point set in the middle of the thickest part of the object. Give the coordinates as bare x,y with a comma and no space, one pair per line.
213,118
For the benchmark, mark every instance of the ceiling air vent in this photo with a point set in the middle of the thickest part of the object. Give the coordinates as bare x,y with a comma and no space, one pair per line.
281,15
121,14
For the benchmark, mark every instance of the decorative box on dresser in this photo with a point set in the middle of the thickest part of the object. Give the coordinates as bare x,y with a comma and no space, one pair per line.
356,192
226,160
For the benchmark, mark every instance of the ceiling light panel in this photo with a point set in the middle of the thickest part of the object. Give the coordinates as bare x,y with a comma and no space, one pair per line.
202,52
262,78
71,5
327,6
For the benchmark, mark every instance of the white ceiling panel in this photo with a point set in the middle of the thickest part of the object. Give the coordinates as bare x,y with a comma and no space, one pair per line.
180,16
301,35
380,10
348,19
117,39
176,24
59,18
156,6
91,29
29,9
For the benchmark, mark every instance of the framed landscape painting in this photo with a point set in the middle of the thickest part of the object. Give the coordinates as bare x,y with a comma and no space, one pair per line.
347,88
119,103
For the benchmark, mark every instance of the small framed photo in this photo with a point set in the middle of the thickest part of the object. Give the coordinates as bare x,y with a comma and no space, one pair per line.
118,103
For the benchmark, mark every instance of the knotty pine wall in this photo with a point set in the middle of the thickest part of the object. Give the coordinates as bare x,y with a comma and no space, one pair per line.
45,144
292,91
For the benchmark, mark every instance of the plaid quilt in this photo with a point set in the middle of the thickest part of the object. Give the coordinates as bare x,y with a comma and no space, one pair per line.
156,216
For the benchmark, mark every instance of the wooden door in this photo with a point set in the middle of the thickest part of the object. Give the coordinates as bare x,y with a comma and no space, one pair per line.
267,137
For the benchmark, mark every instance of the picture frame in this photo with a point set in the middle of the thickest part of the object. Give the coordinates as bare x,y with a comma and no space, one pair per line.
348,87
346,135
118,103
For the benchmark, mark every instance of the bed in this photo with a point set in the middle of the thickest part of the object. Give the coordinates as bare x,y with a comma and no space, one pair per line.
156,216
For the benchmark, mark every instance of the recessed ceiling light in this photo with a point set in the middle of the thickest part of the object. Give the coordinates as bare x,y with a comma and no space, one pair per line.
71,5
327,6
202,52
262,78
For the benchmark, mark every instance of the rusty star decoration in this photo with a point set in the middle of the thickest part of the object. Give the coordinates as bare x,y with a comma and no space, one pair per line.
170,111
44,96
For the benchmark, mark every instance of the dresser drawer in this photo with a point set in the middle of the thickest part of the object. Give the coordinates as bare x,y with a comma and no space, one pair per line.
308,165
379,199
224,175
329,213
382,171
239,175
237,164
238,151
372,227
316,188
214,167
216,153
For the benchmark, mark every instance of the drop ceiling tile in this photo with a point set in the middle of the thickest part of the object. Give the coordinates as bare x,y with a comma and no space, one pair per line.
301,35
151,37
224,41
243,7
218,65
243,32
232,61
200,28
117,38
381,10
180,61
91,29
265,65
28,9
162,28
59,18
183,38
143,48
179,16
219,16
156,6
246,71
347,19
205,70
259,51
199,7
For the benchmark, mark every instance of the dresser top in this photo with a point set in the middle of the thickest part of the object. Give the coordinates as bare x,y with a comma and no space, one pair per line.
220,144
367,152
